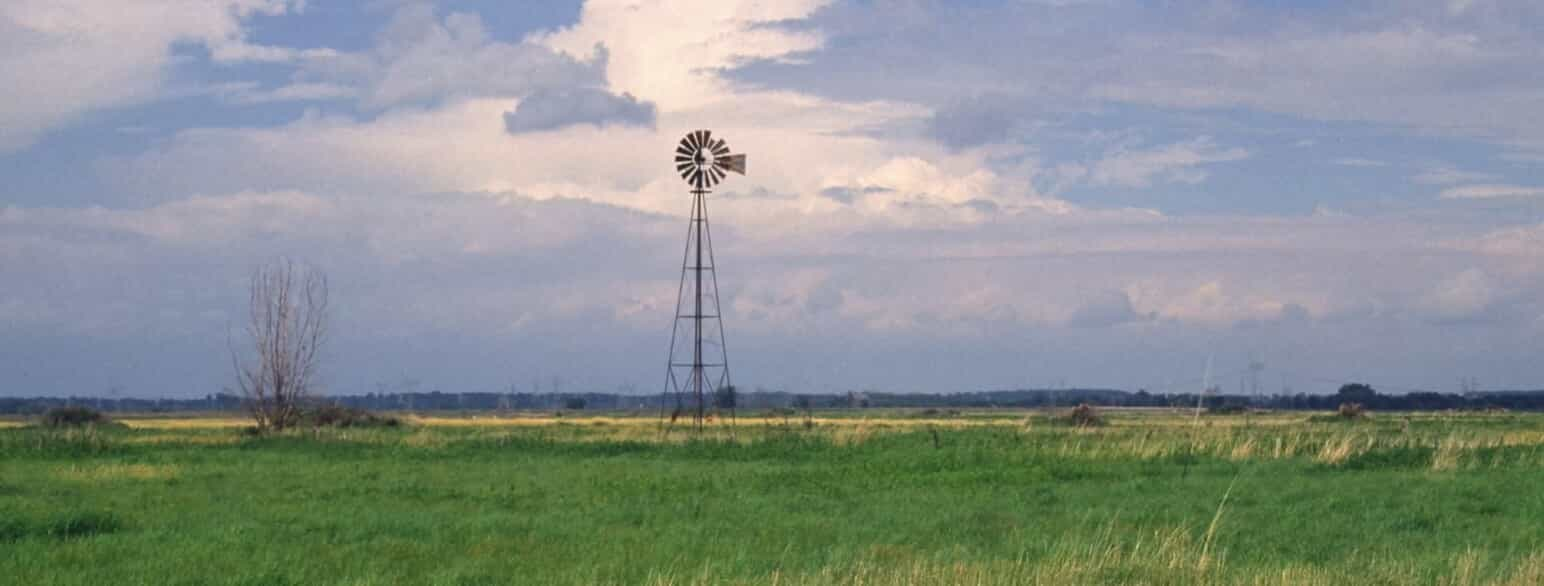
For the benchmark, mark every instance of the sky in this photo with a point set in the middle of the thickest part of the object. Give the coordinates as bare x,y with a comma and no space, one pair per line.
942,196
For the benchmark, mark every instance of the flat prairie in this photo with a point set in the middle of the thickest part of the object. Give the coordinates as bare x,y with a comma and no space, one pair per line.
839,497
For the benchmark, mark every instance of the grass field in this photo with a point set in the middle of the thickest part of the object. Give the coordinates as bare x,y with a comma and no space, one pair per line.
978,498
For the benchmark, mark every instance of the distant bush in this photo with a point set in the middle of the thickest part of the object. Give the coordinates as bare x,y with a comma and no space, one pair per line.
1351,411
1347,412
340,416
1227,409
72,417
1084,415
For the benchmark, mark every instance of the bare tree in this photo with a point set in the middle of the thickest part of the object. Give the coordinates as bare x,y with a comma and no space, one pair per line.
287,327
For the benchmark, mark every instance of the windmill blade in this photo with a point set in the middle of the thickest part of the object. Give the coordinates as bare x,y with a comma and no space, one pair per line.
683,159
718,174
681,168
704,138
732,163
685,150
720,148
690,141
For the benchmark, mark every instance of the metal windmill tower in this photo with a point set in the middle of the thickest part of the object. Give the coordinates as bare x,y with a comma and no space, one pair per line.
699,362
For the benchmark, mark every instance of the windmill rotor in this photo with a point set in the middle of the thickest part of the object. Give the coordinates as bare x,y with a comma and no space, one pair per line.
703,161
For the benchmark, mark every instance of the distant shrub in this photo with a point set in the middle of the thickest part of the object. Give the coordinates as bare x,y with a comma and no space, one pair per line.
1348,412
1351,411
341,416
72,417
1229,409
575,403
1084,415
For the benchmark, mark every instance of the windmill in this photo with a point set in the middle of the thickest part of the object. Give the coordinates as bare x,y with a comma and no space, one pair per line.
696,371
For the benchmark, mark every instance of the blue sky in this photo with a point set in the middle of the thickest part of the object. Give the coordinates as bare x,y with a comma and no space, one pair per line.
942,195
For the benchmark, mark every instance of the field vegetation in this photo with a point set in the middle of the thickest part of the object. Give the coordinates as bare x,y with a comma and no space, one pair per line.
849,497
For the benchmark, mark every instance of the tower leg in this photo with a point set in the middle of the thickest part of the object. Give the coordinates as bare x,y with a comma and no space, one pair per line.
691,380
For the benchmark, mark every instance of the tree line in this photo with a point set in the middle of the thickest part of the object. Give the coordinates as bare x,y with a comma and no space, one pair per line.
1532,400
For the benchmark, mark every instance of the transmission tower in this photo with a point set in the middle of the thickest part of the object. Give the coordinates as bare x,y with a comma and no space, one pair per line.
698,366
1255,368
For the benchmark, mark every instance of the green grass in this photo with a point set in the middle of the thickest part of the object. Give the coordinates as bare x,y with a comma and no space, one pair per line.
1010,500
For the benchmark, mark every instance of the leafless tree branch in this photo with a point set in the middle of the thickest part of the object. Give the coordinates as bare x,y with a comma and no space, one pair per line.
287,328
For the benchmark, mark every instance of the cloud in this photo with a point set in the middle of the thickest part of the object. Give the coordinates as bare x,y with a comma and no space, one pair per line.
841,195
978,121
1415,66
1180,162
1489,191
1295,313
681,69
1466,297
63,59
1104,309
239,51
419,58
1449,176
1525,241
550,110
250,93
1358,162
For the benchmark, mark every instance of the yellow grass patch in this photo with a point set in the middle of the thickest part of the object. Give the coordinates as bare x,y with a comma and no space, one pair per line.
524,421
173,423
110,472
